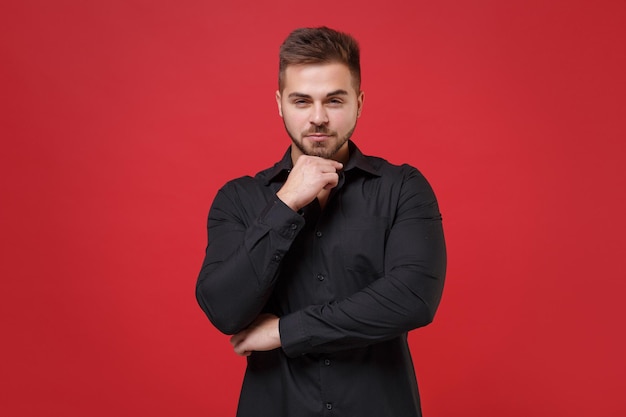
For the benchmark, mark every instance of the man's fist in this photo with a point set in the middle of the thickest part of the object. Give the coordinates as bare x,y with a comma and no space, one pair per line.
308,177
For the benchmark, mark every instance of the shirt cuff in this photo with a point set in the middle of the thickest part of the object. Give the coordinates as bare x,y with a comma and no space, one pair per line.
293,338
280,217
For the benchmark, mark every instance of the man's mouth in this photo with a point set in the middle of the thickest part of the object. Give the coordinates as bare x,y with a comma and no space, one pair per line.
318,136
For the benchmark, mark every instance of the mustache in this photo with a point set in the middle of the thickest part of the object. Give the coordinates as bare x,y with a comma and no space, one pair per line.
319,130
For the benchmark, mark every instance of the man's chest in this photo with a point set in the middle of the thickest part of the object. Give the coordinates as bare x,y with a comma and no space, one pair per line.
340,250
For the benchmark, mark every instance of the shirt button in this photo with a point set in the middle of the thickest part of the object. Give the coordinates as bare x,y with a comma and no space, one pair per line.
329,406
294,226
318,234
320,277
327,362
277,258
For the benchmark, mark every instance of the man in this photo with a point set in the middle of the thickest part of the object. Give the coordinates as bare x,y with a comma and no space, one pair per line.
320,265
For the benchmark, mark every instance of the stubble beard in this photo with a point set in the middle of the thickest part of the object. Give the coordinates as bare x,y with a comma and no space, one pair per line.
320,149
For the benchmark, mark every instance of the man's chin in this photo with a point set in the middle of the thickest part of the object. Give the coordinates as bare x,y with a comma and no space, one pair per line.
321,151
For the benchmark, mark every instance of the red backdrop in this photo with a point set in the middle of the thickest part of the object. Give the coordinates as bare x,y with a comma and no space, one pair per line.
120,120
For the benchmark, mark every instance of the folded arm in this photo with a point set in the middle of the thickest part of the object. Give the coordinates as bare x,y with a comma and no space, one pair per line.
405,298
242,260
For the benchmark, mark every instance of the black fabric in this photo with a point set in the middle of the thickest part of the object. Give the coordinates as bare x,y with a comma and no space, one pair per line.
348,282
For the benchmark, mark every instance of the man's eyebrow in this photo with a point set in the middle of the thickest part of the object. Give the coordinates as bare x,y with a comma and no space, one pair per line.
299,95
337,93
332,93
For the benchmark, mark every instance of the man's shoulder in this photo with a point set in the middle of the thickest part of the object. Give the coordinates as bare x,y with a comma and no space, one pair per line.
385,168
403,176
242,194
243,183
247,183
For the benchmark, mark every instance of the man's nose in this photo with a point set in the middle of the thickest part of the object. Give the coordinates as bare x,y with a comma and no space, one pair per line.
319,116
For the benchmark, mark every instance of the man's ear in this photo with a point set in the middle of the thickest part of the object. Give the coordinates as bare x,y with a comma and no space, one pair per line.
360,100
280,107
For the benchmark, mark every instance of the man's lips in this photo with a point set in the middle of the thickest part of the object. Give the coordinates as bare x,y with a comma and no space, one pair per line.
318,137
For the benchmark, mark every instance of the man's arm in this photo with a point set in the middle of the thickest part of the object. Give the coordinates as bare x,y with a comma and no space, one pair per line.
243,255
242,260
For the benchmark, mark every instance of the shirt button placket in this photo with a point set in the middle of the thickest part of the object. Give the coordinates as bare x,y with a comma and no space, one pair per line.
326,376
326,362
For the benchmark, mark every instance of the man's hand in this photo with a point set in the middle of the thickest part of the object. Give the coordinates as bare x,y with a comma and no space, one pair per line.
308,177
262,335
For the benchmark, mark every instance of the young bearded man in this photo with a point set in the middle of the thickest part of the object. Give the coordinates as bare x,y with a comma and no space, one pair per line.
320,265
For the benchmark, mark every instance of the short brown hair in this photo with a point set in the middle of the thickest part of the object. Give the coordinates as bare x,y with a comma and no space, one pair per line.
317,46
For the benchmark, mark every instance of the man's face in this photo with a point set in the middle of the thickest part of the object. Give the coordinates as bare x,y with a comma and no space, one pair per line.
319,106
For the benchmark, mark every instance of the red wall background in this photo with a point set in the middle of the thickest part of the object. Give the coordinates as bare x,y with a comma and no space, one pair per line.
120,119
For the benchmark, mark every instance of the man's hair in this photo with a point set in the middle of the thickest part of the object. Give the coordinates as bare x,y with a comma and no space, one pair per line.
320,45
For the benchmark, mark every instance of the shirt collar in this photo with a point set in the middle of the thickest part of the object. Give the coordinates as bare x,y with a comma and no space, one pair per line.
356,161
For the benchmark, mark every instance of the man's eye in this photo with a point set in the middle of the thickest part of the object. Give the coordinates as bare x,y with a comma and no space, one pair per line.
335,101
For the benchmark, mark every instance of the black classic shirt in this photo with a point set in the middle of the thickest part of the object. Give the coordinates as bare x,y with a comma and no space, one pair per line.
347,281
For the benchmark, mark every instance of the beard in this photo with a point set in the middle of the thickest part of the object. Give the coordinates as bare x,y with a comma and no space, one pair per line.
323,149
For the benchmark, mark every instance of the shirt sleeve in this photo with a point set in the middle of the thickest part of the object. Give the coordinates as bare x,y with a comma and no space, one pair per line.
405,298
243,256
